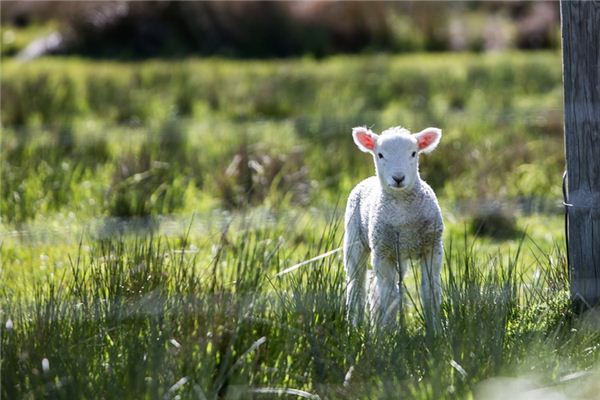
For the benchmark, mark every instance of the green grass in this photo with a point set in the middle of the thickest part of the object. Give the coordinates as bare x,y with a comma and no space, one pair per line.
146,207
186,122
132,317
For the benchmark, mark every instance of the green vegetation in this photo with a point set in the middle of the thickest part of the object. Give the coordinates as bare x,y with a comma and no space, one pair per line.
14,39
152,318
145,209
187,123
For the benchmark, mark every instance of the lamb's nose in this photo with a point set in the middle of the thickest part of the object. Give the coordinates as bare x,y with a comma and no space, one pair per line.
398,179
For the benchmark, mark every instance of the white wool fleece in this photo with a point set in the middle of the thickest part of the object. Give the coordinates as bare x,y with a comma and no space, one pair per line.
393,216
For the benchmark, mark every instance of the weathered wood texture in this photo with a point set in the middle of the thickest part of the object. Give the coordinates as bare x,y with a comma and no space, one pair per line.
581,75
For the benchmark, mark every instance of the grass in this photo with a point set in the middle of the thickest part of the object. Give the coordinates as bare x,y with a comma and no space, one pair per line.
148,317
501,115
146,207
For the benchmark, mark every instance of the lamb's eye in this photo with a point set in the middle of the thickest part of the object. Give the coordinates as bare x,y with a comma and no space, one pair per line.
380,155
414,153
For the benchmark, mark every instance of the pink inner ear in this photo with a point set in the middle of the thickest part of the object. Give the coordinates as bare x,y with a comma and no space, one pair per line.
366,140
426,139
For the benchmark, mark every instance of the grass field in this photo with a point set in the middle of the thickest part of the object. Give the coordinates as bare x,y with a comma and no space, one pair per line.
146,209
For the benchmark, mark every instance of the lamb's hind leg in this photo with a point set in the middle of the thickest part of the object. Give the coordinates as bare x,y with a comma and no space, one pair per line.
431,286
355,262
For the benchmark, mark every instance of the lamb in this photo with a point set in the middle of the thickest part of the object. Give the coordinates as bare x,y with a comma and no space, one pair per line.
394,216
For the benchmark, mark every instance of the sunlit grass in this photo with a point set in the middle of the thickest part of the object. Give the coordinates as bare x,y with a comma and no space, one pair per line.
93,125
132,316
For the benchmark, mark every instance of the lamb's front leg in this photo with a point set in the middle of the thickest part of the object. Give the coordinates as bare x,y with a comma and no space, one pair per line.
384,296
355,262
431,285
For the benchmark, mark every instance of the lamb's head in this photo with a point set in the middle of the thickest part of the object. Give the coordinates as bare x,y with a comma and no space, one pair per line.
396,152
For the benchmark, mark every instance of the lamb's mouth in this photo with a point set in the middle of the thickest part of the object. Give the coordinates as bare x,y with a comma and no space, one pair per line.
398,186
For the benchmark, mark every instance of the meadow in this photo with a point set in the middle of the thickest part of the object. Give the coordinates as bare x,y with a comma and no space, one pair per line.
147,207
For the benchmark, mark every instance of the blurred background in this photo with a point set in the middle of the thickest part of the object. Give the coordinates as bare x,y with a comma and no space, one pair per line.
120,29
136,109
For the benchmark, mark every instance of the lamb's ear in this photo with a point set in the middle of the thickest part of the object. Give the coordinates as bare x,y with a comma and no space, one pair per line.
428,139
364,138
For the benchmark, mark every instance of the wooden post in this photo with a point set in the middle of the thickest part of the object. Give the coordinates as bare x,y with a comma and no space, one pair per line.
581,77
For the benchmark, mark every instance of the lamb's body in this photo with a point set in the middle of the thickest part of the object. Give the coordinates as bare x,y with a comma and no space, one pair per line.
392,226
410,223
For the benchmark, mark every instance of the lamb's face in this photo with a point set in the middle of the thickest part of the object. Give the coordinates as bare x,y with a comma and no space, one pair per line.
396,153
396,159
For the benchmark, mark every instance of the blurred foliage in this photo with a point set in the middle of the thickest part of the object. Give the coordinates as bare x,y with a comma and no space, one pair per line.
15,37
44,174
153,133
254,176
141,29
495,222
141,186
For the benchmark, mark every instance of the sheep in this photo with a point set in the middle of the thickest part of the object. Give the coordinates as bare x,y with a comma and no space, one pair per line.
394,216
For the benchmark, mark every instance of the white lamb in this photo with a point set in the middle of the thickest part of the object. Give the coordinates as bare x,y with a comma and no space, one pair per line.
394,216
